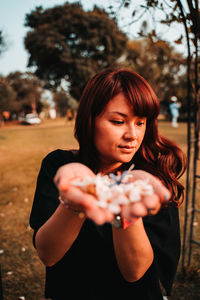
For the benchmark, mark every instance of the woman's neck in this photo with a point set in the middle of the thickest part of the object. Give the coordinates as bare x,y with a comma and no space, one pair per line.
106,169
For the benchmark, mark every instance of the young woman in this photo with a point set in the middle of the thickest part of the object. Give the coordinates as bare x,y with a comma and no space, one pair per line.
87,254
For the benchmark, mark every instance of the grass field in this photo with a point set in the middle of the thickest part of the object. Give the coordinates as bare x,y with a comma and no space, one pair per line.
21,151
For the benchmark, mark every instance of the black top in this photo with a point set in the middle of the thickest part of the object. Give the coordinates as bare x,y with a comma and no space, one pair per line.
89,269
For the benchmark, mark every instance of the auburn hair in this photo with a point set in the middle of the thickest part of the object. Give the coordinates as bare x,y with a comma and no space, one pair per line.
157,154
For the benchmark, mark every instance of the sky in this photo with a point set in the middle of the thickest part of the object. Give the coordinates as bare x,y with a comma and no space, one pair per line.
12,18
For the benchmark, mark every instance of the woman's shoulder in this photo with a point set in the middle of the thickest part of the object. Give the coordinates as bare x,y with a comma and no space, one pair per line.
60,157
61,154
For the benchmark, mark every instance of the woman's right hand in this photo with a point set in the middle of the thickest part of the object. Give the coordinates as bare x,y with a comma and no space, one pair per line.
75,198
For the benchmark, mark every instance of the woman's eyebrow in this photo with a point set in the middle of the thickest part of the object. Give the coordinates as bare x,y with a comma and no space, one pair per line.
118,112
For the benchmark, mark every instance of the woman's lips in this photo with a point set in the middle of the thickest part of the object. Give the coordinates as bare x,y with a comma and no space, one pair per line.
127,148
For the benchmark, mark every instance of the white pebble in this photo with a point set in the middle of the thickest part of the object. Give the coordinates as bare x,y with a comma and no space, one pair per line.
9,273
113,191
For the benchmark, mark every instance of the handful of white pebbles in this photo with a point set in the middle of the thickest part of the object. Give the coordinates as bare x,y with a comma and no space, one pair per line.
113,191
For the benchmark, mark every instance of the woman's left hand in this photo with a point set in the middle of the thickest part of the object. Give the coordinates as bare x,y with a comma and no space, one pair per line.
149,204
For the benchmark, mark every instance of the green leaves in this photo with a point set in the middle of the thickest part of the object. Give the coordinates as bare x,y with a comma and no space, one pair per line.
68,42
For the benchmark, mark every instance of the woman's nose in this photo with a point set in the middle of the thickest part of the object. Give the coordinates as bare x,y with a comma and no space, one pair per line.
130,132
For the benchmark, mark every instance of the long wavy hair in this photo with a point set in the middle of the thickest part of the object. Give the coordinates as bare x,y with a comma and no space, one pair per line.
157,154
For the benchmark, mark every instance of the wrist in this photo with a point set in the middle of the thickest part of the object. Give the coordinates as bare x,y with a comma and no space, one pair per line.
76,212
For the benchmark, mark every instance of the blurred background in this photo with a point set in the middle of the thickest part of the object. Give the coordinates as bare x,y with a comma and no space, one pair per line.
48,51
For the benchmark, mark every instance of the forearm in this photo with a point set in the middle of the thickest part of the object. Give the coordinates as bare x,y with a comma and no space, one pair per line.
57,235
133,250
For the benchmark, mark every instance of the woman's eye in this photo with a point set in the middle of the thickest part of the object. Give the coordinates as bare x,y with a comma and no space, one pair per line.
140,123
117,122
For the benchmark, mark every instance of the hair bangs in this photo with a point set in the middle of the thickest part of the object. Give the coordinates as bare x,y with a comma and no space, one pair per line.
105,90
143,99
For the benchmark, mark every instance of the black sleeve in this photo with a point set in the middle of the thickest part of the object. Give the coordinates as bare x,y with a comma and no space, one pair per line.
46,194
163,231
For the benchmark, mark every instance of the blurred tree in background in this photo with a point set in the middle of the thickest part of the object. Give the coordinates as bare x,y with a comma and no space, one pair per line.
158,62
60,99
63,100
28,90
65,42
7,96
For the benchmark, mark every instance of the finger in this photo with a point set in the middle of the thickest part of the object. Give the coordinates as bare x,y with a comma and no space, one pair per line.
161,191
134,210
159,188
108,215
80,200
63,182
138,210
73,170
152,203
99,215
77,197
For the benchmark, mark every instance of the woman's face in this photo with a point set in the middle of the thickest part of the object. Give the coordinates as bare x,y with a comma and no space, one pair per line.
118,133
